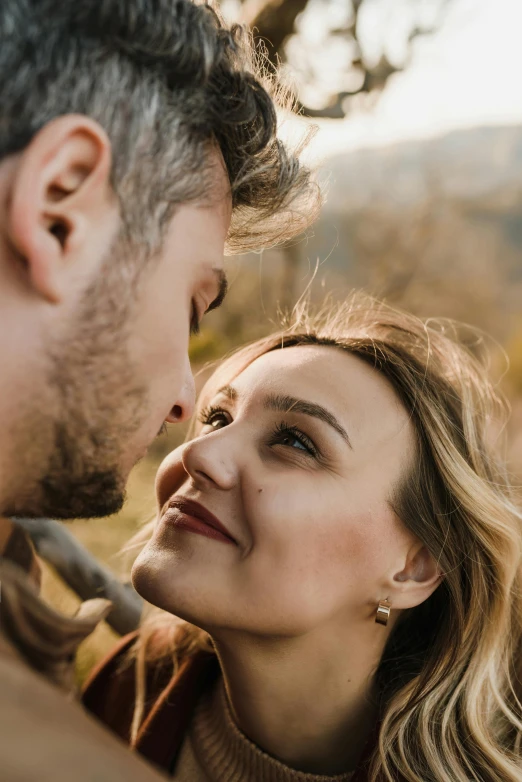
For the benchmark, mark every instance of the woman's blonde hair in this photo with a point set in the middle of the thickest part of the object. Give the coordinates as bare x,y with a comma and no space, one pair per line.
449,677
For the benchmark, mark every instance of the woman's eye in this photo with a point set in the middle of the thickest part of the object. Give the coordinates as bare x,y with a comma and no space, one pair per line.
293,442
215,419
294,438
218,422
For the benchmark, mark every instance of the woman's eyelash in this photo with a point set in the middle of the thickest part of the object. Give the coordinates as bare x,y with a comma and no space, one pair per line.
283,430
208,414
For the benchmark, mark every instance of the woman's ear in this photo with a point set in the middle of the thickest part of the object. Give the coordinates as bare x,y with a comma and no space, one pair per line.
417,580
59,197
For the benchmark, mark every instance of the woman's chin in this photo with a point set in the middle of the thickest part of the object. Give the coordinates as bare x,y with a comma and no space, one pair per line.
159,582
148,577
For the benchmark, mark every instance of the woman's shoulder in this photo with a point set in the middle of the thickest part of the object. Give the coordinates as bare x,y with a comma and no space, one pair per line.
172,691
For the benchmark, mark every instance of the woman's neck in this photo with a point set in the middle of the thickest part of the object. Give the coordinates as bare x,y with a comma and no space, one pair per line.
306,701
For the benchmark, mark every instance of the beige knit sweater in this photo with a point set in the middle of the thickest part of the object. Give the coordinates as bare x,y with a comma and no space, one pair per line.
215,750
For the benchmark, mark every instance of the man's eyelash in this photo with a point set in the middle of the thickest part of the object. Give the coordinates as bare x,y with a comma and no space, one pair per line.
194,322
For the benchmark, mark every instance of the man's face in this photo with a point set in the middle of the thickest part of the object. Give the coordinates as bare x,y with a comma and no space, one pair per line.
120,367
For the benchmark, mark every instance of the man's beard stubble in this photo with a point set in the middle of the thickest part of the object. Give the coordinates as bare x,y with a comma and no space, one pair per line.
98,405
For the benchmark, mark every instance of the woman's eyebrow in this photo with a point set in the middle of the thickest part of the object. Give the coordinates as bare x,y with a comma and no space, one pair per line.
228,391
287,404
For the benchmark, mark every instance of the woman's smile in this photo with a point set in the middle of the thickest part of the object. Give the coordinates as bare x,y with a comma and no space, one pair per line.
185,514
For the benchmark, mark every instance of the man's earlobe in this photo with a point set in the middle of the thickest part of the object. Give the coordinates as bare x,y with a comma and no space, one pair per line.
59,185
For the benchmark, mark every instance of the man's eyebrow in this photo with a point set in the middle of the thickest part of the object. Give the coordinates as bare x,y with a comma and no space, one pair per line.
223,288
290,404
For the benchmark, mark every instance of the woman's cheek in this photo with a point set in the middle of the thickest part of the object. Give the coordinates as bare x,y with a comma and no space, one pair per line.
349,550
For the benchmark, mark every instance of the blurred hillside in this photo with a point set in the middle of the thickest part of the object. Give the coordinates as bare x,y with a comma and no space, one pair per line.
432,225
416,221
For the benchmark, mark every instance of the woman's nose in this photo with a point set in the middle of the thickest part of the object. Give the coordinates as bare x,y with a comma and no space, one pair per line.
210,461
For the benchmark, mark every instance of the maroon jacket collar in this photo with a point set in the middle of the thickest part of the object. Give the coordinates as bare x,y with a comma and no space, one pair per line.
110,694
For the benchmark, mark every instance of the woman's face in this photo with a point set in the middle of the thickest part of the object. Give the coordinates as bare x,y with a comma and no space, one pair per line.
297,459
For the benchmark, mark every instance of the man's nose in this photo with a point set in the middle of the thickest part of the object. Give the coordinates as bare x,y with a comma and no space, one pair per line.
183,408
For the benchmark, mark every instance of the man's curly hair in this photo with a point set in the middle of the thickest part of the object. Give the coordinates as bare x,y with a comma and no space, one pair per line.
168,81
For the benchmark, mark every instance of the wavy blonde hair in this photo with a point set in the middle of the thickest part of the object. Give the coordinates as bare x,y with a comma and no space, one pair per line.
450,691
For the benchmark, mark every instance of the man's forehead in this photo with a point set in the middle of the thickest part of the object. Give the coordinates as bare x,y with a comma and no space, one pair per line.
218,195
197,235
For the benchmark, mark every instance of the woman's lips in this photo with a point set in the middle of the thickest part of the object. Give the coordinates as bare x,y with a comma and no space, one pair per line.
191,516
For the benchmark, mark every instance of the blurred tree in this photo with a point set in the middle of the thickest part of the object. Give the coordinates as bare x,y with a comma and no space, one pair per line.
338,49
335,52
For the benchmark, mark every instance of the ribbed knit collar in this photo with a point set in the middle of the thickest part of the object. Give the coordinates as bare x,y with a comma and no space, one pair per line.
226,753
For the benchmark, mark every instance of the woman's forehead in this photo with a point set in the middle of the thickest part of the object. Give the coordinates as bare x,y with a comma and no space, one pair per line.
324,370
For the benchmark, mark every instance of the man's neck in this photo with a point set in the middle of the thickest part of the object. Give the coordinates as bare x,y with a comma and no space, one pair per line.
301,699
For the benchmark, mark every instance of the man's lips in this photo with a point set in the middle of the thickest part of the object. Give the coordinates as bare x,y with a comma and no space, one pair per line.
190,515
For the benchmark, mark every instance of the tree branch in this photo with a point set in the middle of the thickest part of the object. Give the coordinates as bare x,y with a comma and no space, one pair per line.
82,572
272,22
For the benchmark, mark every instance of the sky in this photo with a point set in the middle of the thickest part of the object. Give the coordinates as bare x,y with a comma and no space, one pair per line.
469,73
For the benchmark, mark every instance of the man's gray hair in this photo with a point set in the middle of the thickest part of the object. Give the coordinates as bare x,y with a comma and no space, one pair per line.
168,82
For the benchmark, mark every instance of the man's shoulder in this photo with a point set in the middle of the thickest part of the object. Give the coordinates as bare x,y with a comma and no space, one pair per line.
47,737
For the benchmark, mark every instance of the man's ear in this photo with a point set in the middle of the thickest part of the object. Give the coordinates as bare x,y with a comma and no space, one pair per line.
59,195
417,580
